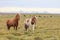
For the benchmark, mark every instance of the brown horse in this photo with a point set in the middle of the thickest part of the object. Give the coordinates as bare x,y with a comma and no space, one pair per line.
13,22
30,22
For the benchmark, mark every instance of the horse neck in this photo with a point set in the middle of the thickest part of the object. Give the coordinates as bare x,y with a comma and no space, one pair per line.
16,19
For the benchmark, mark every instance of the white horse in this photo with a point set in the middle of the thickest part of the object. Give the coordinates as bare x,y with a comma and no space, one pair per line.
30,23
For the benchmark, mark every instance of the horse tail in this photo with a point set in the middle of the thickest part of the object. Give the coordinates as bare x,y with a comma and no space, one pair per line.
7,21
8,27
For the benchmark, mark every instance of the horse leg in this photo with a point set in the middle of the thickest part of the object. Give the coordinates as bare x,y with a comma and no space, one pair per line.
26,27
33,26
8,27
16,27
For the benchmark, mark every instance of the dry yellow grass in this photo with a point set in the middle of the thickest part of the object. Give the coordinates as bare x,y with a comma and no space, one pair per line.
47,28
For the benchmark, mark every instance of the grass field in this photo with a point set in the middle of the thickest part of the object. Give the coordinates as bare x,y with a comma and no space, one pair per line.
47,28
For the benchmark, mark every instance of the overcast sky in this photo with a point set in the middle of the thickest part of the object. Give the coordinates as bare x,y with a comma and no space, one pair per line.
29,4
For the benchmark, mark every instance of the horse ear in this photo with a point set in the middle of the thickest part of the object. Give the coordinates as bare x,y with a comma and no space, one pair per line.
34,16
17,14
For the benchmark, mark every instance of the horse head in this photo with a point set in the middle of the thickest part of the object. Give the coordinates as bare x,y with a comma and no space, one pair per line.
33,20
17,17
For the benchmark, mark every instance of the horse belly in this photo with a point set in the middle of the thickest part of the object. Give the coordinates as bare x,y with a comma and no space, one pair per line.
11,23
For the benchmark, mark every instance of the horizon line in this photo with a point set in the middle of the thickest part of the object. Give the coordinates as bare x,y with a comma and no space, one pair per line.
22,9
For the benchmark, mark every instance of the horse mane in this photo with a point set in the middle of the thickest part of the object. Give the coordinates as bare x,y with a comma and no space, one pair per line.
33,20
17,17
